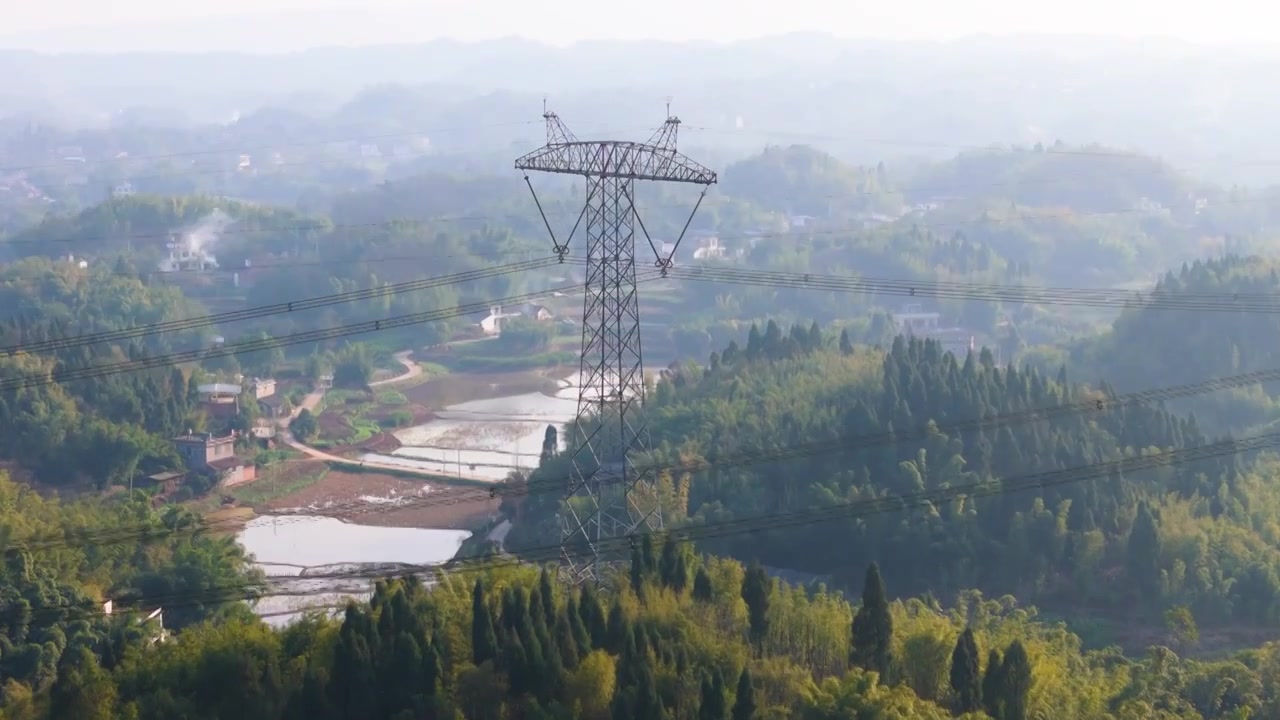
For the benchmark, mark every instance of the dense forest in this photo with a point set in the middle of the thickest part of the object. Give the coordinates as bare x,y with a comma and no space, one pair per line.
786,401
1145,345
1194,535
56,577
674,636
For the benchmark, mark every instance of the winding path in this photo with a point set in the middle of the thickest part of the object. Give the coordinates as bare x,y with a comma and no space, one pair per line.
312,400
412,370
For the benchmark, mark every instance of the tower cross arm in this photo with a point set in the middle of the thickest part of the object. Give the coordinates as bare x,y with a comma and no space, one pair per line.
619,159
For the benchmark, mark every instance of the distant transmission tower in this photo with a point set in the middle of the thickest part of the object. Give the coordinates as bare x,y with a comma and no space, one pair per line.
607,495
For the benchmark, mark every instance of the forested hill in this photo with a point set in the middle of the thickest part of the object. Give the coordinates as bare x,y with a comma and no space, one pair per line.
142,224
1087,179
1152,347
804,180
673,637
1184,534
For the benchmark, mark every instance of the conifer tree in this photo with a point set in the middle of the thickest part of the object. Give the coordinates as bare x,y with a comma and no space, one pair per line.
680,578
1015,682
744,704
637,571
547,594
565,641
667,564
993,685
648,556
756,587
712,705
846,345
484,640
872,632
618,631
593,616
966,674
579,629
1144,552
702,588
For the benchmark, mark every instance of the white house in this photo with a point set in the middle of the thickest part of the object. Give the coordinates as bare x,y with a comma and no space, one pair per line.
711,248
492,323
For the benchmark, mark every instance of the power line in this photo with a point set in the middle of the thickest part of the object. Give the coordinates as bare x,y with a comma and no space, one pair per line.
330,227
276,308
1208,302
181,173
744,458
274,146
754,524
961,147
144,363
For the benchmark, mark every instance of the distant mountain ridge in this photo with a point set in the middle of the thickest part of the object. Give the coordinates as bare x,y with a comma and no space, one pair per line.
862,101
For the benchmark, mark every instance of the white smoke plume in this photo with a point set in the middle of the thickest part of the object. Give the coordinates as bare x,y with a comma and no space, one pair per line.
201,237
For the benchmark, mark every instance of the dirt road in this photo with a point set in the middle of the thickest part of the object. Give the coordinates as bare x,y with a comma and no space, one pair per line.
412,370
312,400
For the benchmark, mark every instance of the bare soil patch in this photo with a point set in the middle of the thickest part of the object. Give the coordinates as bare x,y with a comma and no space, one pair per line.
333,425
446,506
383,443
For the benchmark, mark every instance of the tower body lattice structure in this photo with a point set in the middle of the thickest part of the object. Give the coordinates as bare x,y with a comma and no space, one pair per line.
608,495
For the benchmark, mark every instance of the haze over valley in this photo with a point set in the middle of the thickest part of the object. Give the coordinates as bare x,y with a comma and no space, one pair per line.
815,364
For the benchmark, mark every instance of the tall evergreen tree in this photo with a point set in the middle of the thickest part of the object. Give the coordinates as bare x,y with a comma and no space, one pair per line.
550,442
966,674
713,705
566,642
756,588
637,572
680,576
846,345
581,635
702,588
744,704
1015,682
618,631
1144,552
872,632
593,616
667,565
993,686
548,597
484,640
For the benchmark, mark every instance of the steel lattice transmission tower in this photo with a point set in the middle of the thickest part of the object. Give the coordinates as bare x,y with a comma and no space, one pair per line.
608,495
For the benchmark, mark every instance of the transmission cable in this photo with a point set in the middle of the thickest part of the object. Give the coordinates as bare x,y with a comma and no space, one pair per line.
945,290
291,306
719,462
755,524
60,375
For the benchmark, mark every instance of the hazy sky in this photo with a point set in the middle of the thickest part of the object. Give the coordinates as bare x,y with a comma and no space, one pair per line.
294,24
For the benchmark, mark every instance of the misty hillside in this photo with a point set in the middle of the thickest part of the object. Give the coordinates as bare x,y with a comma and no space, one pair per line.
938,97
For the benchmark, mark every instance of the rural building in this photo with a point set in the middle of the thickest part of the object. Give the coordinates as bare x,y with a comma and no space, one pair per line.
491,324
913,320
274,407
262,387
199,449
709,248
958,341
153,622
166,482
263,429
533,311
233,471
220,399
202,452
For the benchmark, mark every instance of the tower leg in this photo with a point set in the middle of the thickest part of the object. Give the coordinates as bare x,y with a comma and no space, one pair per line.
608,497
